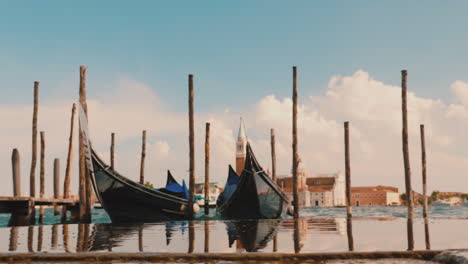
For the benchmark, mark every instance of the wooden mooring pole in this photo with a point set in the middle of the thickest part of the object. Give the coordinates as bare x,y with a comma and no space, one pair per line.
15,164
42,176
84,186
32,175
143,155
294,146
406,161
112,150
349,209
273,155
424,176
56,184
192,147
424,181
207,168
66,184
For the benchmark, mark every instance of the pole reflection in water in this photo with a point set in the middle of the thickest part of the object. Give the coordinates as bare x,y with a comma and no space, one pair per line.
40,238
296,236
13,239
54,240
349,232
140,238
66,245
86,238
79,239
275,243
410,233
82,243
207,237
30,238
426,232
191,237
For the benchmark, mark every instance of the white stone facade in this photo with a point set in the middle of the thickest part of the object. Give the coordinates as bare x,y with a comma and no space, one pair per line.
321,199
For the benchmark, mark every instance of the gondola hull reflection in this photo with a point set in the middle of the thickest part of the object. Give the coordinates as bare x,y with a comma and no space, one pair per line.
252,235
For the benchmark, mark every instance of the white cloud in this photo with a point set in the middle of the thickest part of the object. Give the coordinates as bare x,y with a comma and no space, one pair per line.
372,107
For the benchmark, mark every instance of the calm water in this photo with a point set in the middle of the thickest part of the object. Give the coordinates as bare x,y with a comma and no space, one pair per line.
100,216
319,230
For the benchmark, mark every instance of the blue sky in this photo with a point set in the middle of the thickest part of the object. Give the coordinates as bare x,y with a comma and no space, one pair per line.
239,51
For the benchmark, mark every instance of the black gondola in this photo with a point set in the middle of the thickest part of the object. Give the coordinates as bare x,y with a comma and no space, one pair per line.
125,200
252,195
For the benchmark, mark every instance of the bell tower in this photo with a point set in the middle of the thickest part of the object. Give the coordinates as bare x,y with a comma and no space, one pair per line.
241,145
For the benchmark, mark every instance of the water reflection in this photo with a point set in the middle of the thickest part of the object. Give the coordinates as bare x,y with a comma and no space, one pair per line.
426,233
410,233
13,239
251,235
349,233
305,235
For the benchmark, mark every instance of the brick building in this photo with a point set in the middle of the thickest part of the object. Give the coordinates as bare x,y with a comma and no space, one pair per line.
375,196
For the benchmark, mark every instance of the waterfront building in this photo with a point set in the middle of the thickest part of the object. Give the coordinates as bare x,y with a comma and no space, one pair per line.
324,190
375,196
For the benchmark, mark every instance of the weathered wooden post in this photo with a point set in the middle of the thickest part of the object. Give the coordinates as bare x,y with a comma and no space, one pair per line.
349,209
56,184
273,156
207,168
42,176
32,175
294,146
424,180
423,161
84,191
66,184
406,161
143,155
192,148
112,150
15,164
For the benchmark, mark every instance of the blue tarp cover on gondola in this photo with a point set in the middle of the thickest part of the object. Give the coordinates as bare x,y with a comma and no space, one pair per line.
174,188
231,185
